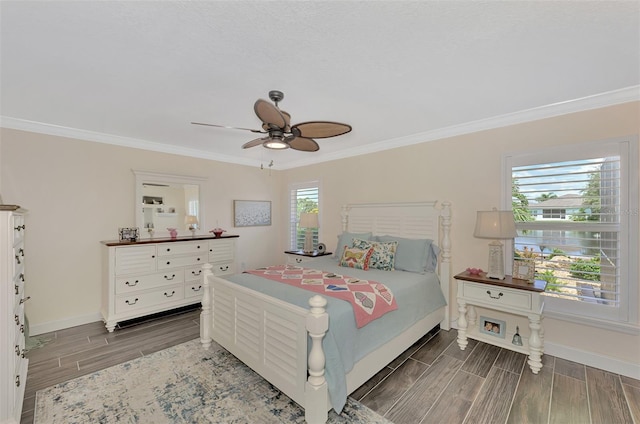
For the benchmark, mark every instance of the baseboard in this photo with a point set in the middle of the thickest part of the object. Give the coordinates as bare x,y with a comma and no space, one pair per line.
47,327
594,360
590,359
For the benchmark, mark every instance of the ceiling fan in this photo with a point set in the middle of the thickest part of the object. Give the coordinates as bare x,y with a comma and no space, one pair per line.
281,134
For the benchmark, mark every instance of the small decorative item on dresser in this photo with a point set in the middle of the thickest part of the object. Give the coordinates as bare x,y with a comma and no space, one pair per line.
129,234
524,269
218,232
173,232
474,271
492,326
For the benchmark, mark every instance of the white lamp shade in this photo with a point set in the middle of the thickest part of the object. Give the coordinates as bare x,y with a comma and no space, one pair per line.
308,220
191,219
495,225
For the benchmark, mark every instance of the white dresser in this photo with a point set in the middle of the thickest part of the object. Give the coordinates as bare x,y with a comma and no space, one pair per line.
150,276
13,365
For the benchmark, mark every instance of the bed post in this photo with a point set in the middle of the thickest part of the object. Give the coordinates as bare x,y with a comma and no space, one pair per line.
206,314
316,397
344,214
445,263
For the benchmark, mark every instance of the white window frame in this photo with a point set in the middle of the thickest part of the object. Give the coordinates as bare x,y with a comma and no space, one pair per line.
625,317
293,221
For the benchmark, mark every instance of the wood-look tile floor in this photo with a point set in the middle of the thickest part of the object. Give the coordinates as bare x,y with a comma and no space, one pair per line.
432,382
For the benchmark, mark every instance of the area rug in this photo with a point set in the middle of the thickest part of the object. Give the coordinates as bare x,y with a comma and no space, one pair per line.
182,384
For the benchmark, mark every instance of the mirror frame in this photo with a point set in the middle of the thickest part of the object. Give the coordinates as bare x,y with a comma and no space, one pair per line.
143,177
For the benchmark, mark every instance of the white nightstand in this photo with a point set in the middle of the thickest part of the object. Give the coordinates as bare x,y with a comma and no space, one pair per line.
299,257
512,296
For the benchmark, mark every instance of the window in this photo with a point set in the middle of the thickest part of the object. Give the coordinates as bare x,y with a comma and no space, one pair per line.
304,197
576,219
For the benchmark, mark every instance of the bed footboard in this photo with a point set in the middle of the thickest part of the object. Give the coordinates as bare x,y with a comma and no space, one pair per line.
270,336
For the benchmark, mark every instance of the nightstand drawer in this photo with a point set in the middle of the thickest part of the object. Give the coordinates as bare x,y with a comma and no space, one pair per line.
496,295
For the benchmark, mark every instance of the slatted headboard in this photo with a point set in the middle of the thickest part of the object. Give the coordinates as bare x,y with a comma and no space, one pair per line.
431,219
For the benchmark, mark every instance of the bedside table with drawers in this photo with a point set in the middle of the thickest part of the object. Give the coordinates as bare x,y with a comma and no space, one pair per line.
302,258
511,296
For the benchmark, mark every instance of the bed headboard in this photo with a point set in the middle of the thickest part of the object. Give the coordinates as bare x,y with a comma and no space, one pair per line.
430,219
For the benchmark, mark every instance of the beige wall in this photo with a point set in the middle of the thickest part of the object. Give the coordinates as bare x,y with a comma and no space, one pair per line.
467,171
78,193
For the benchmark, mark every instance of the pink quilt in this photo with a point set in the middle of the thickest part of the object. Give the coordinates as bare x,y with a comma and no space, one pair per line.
370,299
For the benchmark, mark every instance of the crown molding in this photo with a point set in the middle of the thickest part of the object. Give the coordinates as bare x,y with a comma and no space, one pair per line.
597,101
610,98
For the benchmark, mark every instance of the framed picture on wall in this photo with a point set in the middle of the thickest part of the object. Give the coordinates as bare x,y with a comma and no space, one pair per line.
251,213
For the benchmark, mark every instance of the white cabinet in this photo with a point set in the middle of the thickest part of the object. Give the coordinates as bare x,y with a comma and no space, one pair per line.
147,277
13,365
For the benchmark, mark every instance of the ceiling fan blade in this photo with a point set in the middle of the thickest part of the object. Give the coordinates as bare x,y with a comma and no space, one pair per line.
302,143
287,119
321,129
231,128
254,143
269,114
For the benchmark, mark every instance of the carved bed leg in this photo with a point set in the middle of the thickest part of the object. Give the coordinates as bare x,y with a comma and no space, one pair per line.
316,391
207,304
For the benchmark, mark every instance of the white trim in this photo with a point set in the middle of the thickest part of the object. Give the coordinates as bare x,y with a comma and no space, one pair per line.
610,98
594,360
47,327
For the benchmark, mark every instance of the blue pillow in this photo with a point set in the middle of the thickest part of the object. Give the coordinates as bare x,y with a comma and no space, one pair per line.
414,255
346,239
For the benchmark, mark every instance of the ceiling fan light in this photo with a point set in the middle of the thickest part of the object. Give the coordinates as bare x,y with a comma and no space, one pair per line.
276,144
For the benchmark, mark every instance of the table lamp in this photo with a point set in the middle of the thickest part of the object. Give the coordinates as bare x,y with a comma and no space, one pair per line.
192,222
496,225
308,221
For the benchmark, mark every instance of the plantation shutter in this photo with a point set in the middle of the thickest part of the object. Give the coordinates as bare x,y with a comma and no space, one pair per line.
570,224
303,198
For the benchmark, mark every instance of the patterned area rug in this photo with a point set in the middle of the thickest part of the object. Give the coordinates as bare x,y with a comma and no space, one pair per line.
182,384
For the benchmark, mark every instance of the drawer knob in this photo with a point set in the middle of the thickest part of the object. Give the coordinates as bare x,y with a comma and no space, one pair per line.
16,318
494,297
25,299
298,260
17,349
135,283
22,277
17,288
196,289
17,381
18,259
170,278
131,303
224,268
170,295
19,227
197,273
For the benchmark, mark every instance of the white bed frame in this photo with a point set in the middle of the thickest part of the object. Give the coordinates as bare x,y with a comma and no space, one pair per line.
270,336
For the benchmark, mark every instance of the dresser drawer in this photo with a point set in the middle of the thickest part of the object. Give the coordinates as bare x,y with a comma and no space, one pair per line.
150,281
221,250
193,290
169,249
178,261
137,301
138,259
223,268
193,273
496,295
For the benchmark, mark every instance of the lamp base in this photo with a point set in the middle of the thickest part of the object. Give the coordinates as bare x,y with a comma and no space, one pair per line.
496,261
308,241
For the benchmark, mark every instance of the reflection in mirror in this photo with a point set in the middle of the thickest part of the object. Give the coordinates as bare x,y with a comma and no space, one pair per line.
166,201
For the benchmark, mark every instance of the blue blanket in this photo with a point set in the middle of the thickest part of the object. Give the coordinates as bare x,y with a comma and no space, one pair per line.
417,295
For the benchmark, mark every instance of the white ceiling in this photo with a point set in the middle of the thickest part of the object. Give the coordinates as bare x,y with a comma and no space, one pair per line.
136,73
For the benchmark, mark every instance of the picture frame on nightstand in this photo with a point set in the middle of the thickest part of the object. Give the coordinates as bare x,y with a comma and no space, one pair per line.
524,269
493,327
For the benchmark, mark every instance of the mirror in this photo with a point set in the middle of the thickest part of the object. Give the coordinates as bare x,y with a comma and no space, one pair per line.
168,201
